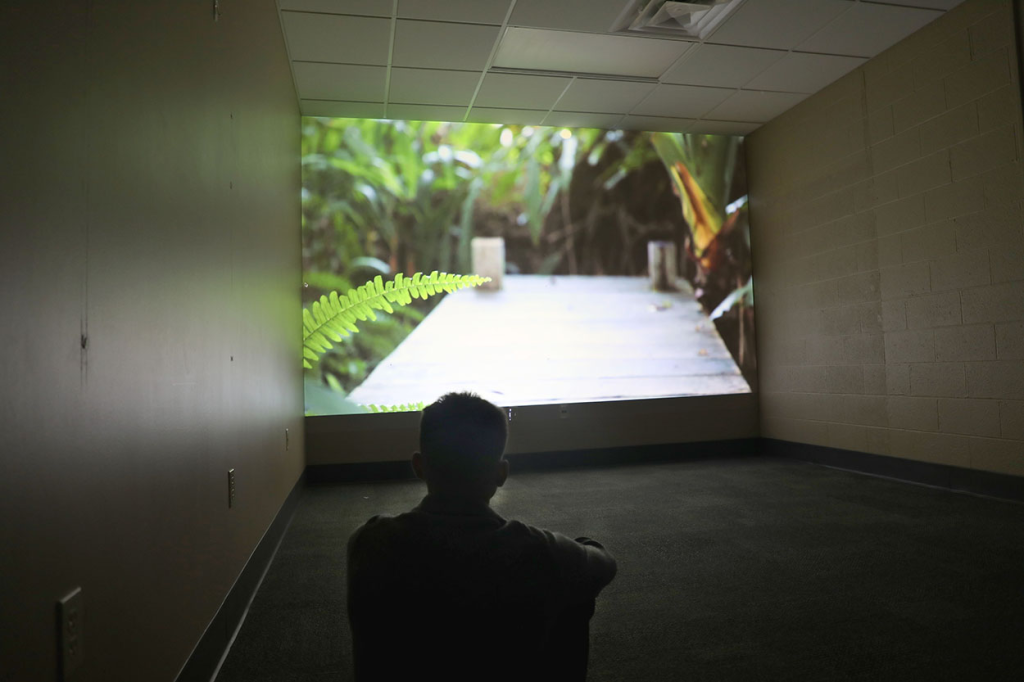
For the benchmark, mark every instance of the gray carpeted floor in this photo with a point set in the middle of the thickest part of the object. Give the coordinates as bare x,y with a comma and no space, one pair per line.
749,569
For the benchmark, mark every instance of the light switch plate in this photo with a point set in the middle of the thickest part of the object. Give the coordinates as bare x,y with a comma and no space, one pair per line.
71,633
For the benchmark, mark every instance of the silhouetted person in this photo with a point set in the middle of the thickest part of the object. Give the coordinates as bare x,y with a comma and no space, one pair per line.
451,590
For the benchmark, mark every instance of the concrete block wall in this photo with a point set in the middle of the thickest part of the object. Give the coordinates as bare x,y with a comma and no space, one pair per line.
886,217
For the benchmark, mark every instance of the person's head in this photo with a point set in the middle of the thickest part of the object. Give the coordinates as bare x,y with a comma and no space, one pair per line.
462,440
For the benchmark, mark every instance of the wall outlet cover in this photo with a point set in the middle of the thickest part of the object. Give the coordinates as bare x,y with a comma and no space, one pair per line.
70,633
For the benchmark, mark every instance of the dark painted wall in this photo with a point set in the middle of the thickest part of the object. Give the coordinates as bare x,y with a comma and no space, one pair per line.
149,200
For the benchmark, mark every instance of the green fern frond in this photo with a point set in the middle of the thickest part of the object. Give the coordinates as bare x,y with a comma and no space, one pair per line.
334,317
411,407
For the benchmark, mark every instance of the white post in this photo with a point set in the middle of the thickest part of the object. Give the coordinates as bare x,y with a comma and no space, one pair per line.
661,265
489,260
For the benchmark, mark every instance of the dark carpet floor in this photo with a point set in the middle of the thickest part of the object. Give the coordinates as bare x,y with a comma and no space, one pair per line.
739,569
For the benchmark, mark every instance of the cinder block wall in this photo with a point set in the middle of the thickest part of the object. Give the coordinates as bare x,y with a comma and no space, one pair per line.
889,253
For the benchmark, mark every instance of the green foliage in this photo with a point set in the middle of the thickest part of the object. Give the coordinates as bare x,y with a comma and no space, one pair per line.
327,281
334,316
382,197
386,197
710,159
702,169
413,194
742,297
410,407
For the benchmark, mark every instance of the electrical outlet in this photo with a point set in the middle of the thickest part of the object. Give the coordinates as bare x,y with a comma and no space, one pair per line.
563,411
71,633
231,488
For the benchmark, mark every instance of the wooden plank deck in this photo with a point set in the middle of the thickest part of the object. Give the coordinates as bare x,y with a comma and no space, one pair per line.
558,340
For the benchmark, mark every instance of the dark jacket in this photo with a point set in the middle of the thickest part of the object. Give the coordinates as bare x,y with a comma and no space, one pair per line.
451,590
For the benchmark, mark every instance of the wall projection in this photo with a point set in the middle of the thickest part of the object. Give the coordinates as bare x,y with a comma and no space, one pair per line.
528,264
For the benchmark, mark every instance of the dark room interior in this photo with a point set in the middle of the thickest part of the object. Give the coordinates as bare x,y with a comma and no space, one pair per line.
833,494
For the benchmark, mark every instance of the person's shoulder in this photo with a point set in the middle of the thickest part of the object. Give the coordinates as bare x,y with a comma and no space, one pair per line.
372,525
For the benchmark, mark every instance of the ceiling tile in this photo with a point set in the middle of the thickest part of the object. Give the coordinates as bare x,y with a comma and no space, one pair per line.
780,24
805,73
723,128
596,16
572,119
866,30
614,97
512,116
516,92
341,109
341,39
369,8
754,106
419,112
466,11
438,45
681,101
721,65
427,86
530,48
656,123
338,81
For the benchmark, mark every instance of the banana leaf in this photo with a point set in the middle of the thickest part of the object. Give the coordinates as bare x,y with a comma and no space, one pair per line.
701,169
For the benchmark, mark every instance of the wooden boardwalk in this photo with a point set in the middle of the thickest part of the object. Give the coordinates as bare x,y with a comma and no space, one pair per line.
559,340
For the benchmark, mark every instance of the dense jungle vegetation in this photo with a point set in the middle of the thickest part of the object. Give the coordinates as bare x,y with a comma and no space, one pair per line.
389,197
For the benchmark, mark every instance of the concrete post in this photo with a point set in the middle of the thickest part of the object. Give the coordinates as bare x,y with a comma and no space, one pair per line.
489,260
661,265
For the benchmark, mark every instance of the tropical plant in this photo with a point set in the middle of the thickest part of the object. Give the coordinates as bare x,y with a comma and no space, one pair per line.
413,194
410,407
702,179
383,197
702,173
334,316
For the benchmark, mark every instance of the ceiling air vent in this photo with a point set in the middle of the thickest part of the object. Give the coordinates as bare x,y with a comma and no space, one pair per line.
690,20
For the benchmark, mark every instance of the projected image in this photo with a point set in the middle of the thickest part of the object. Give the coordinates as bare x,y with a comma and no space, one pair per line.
529,264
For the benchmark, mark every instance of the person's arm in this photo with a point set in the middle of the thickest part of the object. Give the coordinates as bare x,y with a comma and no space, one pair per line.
585,565
600,566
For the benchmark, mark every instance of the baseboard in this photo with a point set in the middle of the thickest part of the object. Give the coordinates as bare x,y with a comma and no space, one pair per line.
960,479
640,454
213,646
328,474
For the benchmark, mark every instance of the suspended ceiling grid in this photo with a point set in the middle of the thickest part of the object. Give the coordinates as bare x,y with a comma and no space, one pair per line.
556,62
